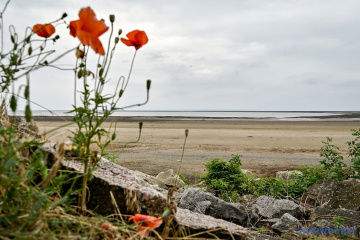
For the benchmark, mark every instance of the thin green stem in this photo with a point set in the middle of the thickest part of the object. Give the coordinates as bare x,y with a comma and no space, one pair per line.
131,67
182,157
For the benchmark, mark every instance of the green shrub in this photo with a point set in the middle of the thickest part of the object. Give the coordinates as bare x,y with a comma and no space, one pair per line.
354,153
225,177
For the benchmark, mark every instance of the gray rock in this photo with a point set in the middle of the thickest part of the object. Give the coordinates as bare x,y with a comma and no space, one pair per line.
334,194
319,211
167,178
287,175
203,205
322,223
259,236
268,207
286,223
197,201
352,217
196,222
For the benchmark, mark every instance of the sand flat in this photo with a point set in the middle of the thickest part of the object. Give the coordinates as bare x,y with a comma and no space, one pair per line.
265,146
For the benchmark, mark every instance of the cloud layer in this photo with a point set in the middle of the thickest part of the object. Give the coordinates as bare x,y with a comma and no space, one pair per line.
218,55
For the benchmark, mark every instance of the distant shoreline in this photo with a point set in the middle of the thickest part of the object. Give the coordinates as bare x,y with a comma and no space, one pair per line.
352,116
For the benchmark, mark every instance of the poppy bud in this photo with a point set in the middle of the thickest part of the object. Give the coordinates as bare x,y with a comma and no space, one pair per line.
82,65
80,53
57,37
106,226
186,132
64,15
30,50
112,18
99,65
46,63
148,84
116,40
101,72
27,92
113,136
13,103
15,46
120,32
28,39
140,125
121,93
12,39
80,73
165,213
28,113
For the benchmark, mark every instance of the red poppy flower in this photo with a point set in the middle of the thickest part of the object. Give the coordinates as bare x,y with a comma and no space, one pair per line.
88,29
44,30
136,38
145,223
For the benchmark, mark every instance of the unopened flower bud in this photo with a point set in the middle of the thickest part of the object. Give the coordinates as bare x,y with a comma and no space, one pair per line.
140,125
116,40
30,50
28,113
101,72
64,15
112,18
121,93
148,84
186,132
120,32
80,73
80,53
57,37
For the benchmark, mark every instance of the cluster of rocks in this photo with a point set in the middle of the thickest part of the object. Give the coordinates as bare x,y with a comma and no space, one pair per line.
198,211
314,212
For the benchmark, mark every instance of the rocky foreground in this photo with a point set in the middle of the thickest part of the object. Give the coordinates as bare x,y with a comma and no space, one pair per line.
200,214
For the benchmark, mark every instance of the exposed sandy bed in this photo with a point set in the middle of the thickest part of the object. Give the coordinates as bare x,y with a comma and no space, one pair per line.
265,146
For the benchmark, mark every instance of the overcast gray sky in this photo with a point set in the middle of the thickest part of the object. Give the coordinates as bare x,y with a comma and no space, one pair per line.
281,55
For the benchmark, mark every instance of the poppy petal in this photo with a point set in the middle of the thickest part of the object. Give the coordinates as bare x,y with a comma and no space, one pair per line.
141,38
127,42
44,30
137,38
88,29
131,35
73,27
